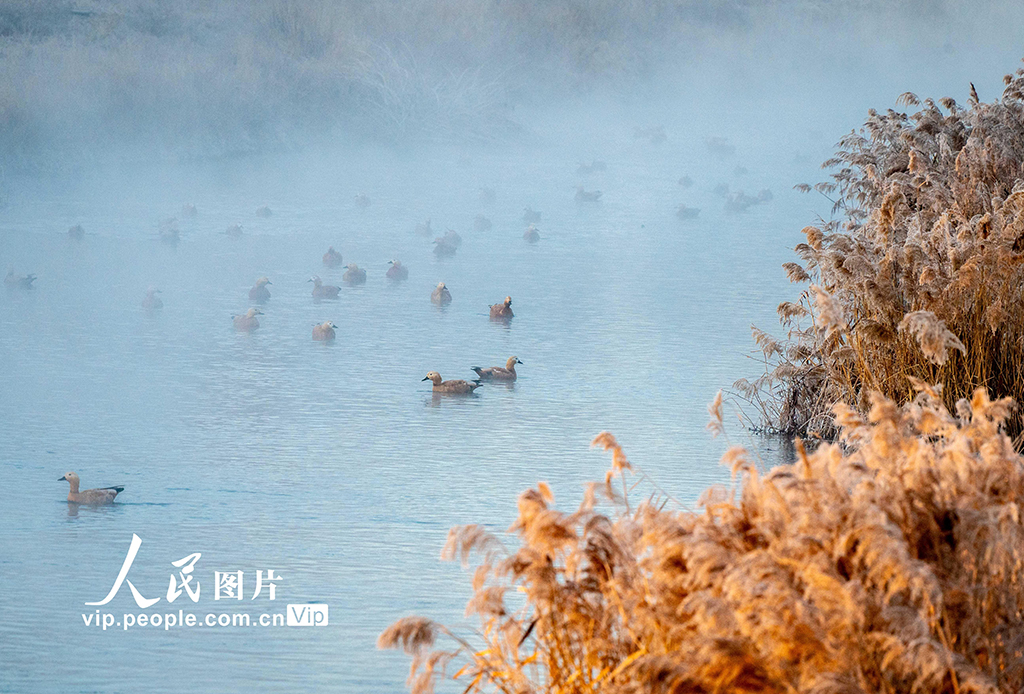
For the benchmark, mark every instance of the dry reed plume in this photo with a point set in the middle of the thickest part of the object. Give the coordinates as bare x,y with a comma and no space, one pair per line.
927,253
892,562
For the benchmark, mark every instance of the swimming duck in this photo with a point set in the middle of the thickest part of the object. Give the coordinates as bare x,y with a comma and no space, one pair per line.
481,223
332,258
532,234
12,281
247,322
169,231
530,216
458,387
91,497
499,373
76,232
234,231
502,311
324,291
684,212
587,196
263,212
720,146
441,296
324,332
152,301
189,211
397,272
259,292
353,275
423,228
362,201
445,246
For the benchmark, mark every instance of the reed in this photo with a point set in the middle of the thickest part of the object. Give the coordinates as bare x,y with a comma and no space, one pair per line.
925,248
892,561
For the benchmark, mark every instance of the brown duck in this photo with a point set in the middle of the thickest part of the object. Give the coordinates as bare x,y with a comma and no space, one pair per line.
247,322
499,373
332,258
324,332
502,311
324,291
91,497
259,292
458,387
441,296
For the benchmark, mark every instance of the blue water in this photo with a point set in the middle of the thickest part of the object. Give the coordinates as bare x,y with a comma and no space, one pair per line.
333,464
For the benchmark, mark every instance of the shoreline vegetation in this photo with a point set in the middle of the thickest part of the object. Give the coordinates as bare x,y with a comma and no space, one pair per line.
927,254
889,559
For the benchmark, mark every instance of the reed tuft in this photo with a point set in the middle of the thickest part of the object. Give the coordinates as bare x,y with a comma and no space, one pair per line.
891,561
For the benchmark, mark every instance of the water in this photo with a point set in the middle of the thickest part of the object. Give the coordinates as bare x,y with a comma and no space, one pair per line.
332,464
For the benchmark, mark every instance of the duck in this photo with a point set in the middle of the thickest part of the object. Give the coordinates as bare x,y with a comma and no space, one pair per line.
458,387
152,301
397,272
247,322
423,228
532,234
189,211
362,201
481,223
587,196
264,212
332,258
684,212
445,246
324,332
499,373
441,296
354,275
324,291
169,231
76,232
13,281
530,216
720,146
502,311
90,497
259,292
234,231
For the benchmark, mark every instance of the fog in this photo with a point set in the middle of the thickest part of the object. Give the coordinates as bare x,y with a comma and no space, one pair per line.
195,147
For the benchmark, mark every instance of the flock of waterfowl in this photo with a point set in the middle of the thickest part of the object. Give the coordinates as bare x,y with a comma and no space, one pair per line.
444,246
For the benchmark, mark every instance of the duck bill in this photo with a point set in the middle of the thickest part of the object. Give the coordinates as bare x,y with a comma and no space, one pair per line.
421,380
63,479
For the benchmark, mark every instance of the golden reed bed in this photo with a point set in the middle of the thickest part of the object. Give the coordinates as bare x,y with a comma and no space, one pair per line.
928,219
890,559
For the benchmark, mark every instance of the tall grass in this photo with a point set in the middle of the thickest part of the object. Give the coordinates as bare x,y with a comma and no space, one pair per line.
927,248
890,562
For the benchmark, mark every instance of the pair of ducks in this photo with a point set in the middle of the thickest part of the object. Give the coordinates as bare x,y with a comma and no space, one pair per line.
247,322
505,374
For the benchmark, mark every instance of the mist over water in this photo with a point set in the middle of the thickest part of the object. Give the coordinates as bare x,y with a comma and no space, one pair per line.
333,464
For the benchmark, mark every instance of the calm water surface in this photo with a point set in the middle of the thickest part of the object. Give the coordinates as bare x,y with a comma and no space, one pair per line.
332,464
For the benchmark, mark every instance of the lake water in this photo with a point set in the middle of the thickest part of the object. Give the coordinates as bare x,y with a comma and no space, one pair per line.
333,464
